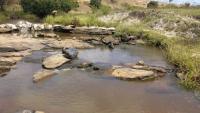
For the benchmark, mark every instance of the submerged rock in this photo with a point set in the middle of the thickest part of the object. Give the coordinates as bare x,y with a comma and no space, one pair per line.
70,53
132,74
42,74
54,61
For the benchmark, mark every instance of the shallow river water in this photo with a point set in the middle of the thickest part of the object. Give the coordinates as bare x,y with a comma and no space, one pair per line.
79,91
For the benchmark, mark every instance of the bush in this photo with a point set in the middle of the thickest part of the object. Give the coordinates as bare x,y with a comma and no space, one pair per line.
95,3
42,8
152,4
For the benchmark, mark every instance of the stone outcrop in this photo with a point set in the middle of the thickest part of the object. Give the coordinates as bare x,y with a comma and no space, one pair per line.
54,61
24,26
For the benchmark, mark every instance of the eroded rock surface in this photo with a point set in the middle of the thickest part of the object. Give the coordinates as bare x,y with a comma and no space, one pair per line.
138,71
132,74
54,61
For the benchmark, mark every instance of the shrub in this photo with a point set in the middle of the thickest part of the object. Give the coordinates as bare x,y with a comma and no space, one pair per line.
42,8
95,3
152,4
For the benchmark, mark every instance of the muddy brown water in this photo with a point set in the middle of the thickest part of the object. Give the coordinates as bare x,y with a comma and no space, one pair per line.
79,91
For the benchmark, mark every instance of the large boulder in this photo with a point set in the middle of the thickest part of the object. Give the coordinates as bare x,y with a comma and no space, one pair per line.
42,74
54,61
70,53
133,74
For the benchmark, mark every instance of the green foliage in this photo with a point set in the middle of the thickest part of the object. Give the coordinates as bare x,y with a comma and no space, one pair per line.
95,3
152,4
42,8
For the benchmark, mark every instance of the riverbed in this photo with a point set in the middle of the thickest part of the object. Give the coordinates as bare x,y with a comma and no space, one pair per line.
75,90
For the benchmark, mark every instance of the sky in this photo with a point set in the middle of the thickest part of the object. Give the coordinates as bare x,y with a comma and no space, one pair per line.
194,2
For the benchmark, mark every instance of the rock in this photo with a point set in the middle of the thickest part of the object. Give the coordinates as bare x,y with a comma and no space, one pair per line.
111,45
12,60
4,70
68,43
181,76
131,42
24,26
70,53
158,69
133,74
110,39
60,28
92,30
26,111
15,54
42,74
101,66
141,62
54,61
95,42
140,42
85,65
38,27
8,49
39,112
5,30
30,111
47,35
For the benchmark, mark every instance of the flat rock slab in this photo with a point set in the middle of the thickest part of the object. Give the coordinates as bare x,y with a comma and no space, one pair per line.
54,61
68,43
42,74
133,74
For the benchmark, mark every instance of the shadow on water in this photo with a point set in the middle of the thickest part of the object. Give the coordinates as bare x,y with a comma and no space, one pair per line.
78,91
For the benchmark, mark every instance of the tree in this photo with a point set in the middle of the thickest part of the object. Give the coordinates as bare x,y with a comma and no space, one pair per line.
95,3
42,8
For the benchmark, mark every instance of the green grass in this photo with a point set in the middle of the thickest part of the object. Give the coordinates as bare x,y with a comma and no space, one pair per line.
78,19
